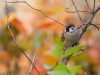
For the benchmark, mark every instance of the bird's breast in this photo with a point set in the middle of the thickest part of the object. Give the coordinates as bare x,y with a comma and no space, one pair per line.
71,38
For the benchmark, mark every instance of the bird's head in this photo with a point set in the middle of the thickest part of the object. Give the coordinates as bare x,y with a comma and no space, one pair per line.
70,28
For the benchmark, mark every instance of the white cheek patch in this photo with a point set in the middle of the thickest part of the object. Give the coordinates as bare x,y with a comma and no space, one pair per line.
65,30
72,30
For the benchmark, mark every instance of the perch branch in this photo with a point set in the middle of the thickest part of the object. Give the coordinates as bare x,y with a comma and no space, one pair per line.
86,25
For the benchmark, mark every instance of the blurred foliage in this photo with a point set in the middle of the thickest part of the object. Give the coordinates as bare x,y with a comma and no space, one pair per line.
38,39
7,43
35,32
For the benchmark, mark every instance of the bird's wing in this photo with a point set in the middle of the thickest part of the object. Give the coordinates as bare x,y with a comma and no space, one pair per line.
62,37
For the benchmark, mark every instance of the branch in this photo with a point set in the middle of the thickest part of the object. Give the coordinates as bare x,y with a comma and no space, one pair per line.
36,9
77,12
86,25
88,5
15,39
89,22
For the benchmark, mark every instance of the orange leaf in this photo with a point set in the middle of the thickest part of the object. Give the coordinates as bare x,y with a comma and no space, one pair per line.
48,59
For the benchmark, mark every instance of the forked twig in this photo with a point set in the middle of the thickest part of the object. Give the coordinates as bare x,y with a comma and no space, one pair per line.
89,22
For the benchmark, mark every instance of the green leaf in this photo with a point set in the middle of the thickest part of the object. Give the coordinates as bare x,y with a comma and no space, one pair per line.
61,66
72,50
58,72
47,66
58,49
75,69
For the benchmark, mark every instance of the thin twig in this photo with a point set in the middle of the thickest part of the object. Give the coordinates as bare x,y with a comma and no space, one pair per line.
88,5
94,5
95,26
37,10
15,39
54,66
77,54
77,12
52,40
70,5
31,64
82,50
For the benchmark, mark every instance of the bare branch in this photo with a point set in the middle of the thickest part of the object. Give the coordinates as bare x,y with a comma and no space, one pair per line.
88,5
92,16
89,22
77,12
31,64
15,39
37,10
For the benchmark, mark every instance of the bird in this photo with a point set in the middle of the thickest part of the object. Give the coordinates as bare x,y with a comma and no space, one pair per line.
70,37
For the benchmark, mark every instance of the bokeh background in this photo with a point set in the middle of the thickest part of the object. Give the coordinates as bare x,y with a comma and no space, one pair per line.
35,33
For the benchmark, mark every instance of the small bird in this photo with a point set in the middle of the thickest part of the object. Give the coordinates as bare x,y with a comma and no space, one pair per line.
70,37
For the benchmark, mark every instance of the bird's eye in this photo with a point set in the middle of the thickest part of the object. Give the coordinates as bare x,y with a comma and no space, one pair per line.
72,29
